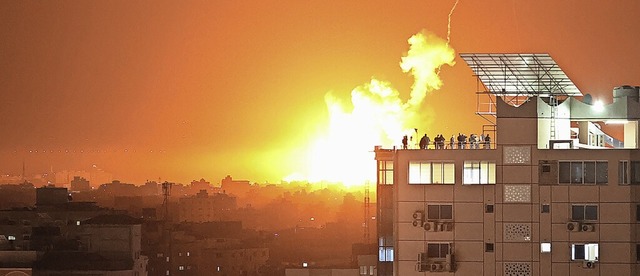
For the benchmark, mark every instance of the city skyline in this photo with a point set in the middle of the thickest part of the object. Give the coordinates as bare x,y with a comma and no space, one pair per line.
191,90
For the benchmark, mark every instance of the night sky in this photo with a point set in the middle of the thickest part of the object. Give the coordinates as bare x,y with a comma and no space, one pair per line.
189,89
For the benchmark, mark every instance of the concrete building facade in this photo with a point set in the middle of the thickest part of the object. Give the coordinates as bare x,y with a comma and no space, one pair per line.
556,194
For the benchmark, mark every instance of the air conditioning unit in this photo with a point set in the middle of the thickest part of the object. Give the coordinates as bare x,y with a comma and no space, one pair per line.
588,264
423,263
447,226
573,226
430,226
418,215
435,267
418,218
585,227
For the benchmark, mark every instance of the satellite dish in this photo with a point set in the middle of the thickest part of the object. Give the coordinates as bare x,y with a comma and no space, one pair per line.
587,99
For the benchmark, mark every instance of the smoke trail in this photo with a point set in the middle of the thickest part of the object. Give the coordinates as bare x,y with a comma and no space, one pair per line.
449,21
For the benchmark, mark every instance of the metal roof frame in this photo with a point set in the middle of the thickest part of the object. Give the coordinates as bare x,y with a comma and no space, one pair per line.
519,74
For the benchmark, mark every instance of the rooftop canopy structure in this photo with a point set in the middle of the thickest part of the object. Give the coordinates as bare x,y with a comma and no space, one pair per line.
521,75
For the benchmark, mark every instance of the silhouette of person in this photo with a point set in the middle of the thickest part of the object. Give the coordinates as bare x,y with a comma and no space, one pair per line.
404,142
423,142
487,142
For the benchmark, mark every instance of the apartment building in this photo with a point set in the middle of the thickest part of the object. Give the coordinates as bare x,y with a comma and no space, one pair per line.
553,193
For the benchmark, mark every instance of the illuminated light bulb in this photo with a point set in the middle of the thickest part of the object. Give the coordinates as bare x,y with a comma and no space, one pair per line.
598,106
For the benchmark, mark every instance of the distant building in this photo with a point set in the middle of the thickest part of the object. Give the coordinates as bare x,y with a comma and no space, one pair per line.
235,187
80,184
108,245
554,192
197,186
51,195
204,207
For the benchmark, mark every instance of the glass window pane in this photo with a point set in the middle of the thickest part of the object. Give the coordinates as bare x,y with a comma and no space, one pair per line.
578,252
446,211
388,177
449,173
564,172
484,172
492,173
591,212
576,172
591,252
433,212
444,250
389,165
425,173
433,250
589,172
414,172
635,172
602,172
437,173
577,212
623,177
471,173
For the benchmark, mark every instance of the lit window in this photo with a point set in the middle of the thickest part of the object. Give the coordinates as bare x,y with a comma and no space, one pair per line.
385,253
181,267
188,254
371,270
479,172
586,252
584,212
305,264
439,212
385,172
11,238
431,172
583,172
545,247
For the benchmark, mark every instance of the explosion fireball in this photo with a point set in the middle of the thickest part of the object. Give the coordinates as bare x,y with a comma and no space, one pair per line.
377,116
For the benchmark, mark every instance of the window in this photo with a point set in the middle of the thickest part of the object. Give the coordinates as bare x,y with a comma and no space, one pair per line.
637,252
586,252
431,172
488,208
385,249
630,170
584,212
181,267
545,247
638,212
438,250
583,172
545,208
439,212
488,247
479,172
385,172
623,172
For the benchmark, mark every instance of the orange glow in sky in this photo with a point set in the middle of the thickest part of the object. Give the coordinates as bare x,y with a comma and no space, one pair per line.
376,116
260,90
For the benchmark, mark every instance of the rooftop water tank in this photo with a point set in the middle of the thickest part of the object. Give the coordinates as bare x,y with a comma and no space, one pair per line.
632,92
